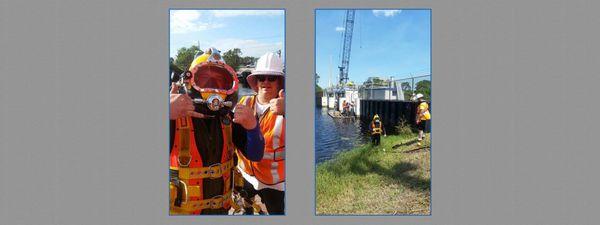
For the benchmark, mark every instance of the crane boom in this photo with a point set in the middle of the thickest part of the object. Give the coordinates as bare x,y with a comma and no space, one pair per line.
346,47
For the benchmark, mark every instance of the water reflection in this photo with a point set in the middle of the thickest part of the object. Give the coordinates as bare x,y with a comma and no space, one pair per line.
242,91
335,135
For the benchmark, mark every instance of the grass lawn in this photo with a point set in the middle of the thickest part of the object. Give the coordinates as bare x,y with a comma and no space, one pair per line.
369,180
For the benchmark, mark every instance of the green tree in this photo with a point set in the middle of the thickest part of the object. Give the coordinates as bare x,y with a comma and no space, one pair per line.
407,90
318,91
424,87
378,82
374,81
318,94
248,60
173,67
233,58
185,56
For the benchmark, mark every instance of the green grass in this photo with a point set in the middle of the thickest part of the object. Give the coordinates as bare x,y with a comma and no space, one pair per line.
368,180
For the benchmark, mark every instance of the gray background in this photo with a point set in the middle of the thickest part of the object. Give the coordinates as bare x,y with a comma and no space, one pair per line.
83,108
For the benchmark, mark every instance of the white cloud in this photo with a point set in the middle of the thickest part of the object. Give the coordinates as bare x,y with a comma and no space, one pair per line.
249,47
386,13
339,29
185,21
232,13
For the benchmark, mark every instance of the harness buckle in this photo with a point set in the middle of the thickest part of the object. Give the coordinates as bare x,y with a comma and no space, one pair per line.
185,191
216,202
186,164
214,170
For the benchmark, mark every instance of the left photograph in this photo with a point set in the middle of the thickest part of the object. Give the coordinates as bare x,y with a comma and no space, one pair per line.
226,112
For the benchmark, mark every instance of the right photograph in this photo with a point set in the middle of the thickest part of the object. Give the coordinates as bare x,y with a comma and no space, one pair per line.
373,111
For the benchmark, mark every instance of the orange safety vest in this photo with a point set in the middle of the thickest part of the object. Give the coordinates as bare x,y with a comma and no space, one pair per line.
376,129
186,164
271,168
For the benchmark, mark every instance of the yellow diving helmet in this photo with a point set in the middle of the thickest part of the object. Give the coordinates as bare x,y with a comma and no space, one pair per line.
214,82
376,117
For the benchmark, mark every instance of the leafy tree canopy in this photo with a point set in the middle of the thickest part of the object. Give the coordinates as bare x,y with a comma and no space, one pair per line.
424,87
185,56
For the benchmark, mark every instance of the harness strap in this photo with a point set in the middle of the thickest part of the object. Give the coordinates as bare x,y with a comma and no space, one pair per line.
226,127
216,202
214,171
185,156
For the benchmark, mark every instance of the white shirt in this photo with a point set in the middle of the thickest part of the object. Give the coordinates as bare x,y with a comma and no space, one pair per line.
260,108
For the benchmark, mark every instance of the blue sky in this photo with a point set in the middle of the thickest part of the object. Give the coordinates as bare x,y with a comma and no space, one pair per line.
385,43
255,32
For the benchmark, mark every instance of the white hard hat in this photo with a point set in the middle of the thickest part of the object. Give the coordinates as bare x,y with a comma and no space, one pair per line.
268,64
418,96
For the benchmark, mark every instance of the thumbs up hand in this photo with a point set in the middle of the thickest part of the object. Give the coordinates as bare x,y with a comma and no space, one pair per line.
277,105
244,115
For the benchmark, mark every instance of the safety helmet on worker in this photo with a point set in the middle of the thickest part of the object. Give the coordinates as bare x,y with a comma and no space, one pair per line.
376,117
269,64
418,96
214,82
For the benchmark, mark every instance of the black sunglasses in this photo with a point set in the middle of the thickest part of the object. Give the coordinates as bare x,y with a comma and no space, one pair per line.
269,78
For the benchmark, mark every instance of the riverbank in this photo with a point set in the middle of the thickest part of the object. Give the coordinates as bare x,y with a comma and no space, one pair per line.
369,180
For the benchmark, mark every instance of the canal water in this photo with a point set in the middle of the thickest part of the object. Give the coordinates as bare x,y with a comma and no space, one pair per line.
245,91
334,135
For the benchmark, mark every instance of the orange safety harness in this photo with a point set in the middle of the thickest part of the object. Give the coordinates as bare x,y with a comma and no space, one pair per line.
376,128
187,170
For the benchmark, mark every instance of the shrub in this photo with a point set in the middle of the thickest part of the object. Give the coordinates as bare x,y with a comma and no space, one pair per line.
404,128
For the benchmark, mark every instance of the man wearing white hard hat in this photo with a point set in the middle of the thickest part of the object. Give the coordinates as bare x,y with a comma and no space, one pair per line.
423,116
266,178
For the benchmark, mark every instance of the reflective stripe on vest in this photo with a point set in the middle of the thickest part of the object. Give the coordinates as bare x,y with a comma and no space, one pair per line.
189,173
271,168
277,131
277,155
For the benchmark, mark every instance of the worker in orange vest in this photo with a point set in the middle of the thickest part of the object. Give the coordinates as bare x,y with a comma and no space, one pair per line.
377,130
266,178
204,133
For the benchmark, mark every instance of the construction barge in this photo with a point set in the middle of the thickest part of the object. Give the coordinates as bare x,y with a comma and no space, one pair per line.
339,115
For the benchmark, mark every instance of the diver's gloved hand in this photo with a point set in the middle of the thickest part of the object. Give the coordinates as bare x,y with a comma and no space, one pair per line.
244,115
277,105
